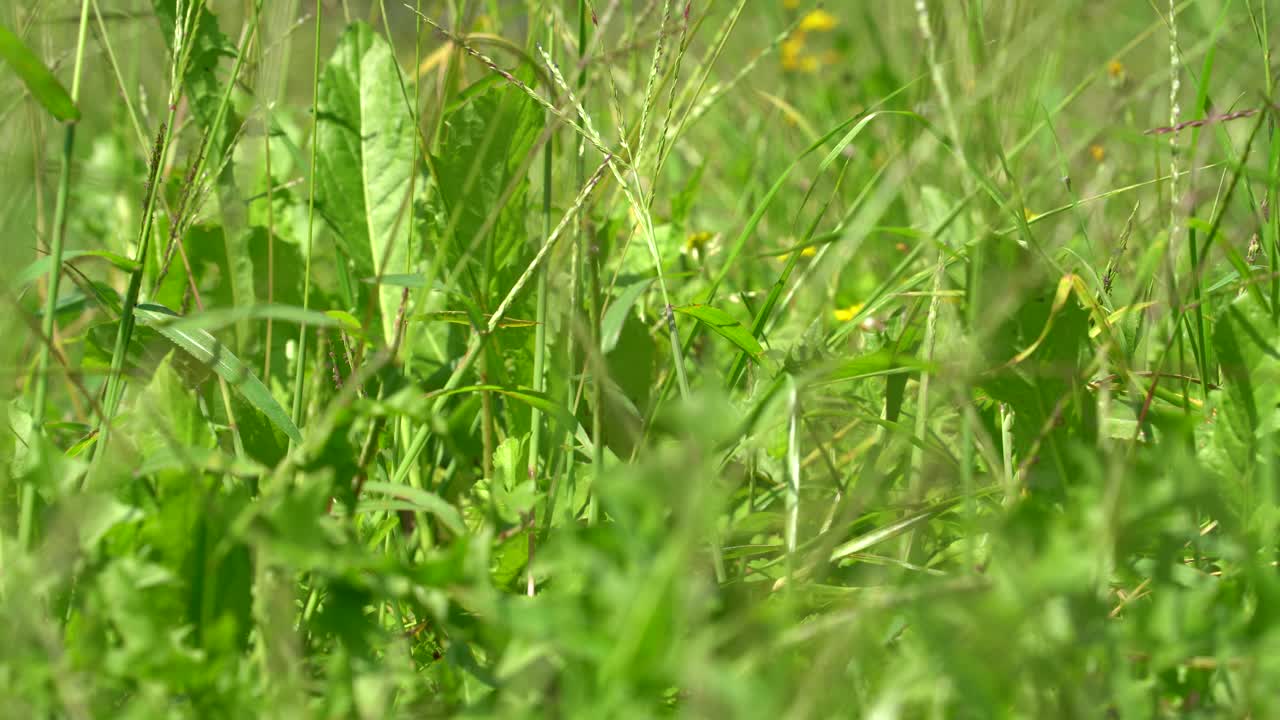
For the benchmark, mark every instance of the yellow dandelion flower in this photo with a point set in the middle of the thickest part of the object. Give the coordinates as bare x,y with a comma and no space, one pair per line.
819,21
1097,152
846,314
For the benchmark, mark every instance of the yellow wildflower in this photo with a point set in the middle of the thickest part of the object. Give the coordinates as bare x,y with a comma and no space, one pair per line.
1116,73
697,242
809,251
846,314
819,21
793,51
1097,152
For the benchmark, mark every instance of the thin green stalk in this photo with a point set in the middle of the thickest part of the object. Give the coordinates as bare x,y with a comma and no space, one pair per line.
424,534
271,237
115,381
300,359
1198,267
540,332
642,209
26,519
572,320
636,196
588,258
599,373
1273,189
793,475
931,323
270,96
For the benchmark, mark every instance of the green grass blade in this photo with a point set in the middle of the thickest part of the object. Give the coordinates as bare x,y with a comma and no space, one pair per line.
42,84
205,347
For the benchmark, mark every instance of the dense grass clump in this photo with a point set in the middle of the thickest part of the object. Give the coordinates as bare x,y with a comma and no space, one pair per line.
629,358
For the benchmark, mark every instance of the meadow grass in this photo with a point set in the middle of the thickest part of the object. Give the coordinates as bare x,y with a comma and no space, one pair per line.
628,358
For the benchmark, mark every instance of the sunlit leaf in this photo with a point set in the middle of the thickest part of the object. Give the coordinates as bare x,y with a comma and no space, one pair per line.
723,324
365,157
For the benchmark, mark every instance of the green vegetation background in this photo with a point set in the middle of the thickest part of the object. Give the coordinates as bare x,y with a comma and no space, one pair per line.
626,358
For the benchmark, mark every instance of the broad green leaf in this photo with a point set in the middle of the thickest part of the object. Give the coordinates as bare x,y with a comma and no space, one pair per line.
616,316
514,492
509,558
629,387
726,327
485,144
206,348
98,513
263,440
1048,380
34,457
170,422
44,87
1245,339
214,272
365,159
